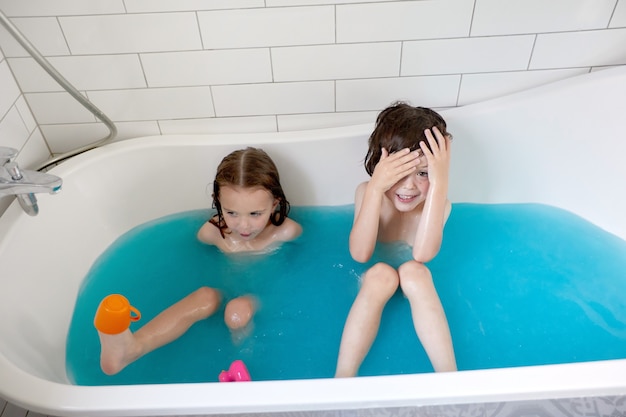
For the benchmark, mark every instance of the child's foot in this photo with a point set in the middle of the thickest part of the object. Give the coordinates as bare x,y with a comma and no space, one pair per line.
117,351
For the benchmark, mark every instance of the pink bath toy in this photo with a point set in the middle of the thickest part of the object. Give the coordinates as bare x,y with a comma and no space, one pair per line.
236,373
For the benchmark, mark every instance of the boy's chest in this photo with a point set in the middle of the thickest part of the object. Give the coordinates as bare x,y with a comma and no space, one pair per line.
394,227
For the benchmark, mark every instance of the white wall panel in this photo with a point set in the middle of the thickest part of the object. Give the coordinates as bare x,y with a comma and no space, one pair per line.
279,98
44,33
247,28
619,15
404,20
480,87
59,7
330,62
467,55
57,108
144,6
252,124
8,87
580,49
207,67
94,72
376,94
497,17
118,34
154,103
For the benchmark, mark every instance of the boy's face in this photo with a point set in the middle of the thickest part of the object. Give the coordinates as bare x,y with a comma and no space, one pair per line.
410,192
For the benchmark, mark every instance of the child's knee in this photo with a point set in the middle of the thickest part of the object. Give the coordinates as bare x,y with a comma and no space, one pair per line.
382,280
239,312
415,277
208,298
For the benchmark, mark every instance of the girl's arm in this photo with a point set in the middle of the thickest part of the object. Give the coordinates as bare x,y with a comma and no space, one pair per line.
369,198
437,207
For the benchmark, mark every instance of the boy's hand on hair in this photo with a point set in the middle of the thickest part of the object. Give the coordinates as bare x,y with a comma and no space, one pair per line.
438,156
392,168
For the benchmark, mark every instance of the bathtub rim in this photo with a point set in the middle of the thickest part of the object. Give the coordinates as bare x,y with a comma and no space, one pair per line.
575,380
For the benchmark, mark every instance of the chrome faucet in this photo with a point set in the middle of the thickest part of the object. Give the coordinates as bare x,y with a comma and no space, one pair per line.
24,183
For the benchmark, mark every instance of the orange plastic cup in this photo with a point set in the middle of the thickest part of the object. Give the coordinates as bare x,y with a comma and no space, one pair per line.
115,314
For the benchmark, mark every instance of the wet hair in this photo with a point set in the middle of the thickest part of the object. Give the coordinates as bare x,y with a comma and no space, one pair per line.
248,168
401,126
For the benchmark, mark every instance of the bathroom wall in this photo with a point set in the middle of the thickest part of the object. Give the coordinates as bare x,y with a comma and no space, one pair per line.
192,66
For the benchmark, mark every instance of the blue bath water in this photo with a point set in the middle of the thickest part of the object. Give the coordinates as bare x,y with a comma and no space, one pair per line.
520,284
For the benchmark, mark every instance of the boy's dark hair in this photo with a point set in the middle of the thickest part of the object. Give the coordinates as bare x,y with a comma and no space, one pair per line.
249,167
401,126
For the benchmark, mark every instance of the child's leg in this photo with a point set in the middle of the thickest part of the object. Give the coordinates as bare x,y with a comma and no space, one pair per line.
239,312
118,350
429,318
379,284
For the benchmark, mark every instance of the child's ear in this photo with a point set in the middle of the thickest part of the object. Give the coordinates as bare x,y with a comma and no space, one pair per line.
276,202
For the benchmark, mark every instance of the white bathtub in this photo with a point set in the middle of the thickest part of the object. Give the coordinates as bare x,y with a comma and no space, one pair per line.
562,145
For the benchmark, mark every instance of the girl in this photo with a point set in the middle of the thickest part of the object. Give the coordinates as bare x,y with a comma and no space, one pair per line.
405,200
251,216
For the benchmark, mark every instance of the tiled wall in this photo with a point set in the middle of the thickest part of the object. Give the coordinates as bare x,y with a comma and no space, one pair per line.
188,66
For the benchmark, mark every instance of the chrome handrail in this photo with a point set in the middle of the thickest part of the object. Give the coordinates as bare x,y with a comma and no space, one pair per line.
33,52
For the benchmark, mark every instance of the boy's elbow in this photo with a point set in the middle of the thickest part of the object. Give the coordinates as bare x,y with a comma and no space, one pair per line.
360,255
424,256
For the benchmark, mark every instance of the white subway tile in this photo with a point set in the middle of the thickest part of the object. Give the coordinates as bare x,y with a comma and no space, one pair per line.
248,28
131,33
49,108
67,137
26,115
13,131
579,49
287,123
43,33
34,152
8,87
154,103
403,20
94,72
480,87
619,15
252,124
453,56
236,66
376,94
280,98
329,62
497,17
146,6
60,7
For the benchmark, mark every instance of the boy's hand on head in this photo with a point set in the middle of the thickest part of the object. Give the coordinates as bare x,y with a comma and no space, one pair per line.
392,168
438,156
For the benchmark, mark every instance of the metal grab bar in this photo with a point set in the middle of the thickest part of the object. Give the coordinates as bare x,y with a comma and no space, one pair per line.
43,62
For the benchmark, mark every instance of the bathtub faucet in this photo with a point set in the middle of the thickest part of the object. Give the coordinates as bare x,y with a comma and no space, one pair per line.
24,183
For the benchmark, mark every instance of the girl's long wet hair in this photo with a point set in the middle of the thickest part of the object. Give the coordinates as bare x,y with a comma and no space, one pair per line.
401,126
249,168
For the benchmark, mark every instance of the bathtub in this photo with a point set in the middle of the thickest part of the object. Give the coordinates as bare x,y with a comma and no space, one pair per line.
562,144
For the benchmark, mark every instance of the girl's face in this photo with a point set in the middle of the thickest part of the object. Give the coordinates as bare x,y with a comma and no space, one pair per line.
410,191
246,211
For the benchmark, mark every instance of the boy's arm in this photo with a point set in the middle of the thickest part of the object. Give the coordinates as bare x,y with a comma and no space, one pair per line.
369,199
367,204
437,207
